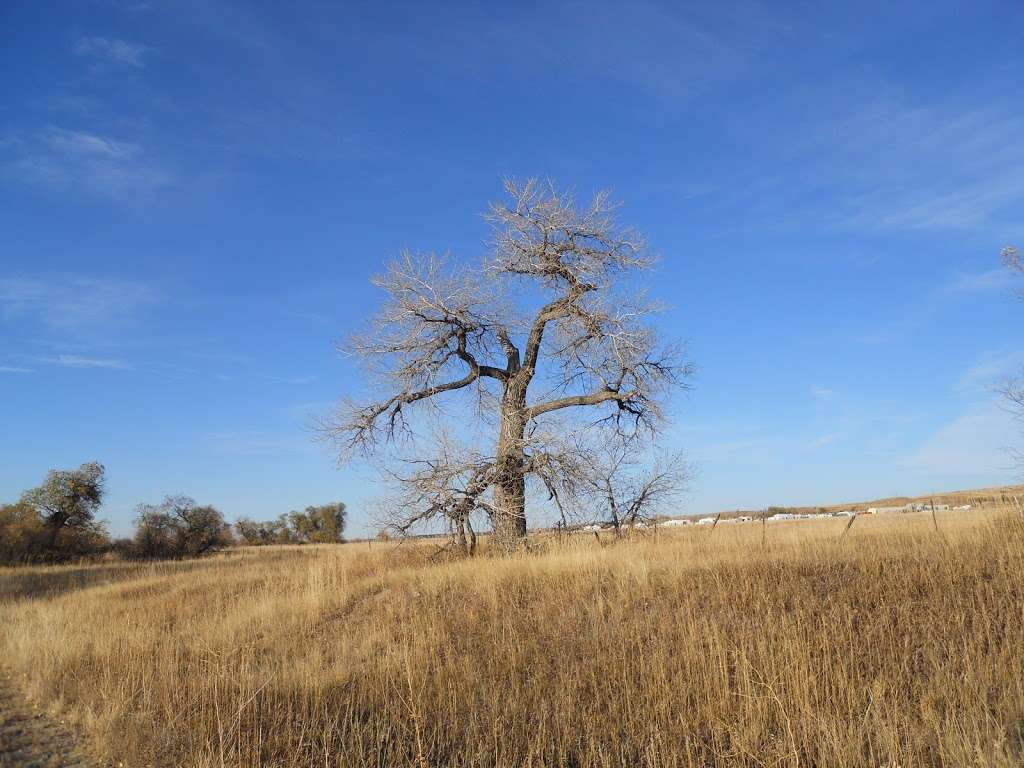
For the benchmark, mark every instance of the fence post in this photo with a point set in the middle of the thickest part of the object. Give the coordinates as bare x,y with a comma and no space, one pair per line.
849,525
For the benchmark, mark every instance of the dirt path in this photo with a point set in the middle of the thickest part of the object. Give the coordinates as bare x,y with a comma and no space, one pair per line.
29,739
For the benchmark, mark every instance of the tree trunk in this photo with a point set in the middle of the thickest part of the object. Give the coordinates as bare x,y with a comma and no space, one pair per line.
56,523
459,536
613,507
510,512
509,517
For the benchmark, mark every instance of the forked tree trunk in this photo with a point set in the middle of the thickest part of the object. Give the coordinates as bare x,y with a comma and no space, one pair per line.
509,519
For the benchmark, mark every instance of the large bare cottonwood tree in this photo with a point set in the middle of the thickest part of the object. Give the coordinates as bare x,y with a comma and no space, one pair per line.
550,334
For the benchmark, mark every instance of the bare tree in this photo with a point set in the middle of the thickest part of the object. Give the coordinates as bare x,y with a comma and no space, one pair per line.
629,491
451,485
548,325
1013,390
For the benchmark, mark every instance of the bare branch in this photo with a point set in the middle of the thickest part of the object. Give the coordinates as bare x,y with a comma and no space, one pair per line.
594,398
433,323
541,235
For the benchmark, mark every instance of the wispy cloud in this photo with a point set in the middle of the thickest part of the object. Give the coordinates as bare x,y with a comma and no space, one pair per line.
824,440
79,361
78,104
940,166
306,413
742,449
880,161
990,370
293,380
822,395
78,143
962,209
131,6
101,165
992,280
117,51
257,443
977,441
672,52
72,303
14,369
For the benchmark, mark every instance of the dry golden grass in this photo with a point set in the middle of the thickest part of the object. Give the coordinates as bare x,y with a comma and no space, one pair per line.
897,646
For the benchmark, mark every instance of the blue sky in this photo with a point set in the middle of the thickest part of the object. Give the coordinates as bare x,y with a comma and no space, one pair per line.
193,196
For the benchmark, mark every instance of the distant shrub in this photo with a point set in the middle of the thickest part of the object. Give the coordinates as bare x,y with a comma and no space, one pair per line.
257,534
178,527
253,533
22,534
319,525
123,549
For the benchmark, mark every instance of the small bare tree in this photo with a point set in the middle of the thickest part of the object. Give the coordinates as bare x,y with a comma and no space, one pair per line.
1013,390
449,484
629,491
548,325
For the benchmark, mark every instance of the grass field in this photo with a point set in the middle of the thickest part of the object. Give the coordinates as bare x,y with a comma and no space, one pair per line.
899,645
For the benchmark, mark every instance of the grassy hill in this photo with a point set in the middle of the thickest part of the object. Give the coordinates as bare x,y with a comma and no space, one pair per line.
896,645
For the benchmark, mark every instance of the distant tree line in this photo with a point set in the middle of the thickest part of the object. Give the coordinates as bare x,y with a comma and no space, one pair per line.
57,522
315,525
